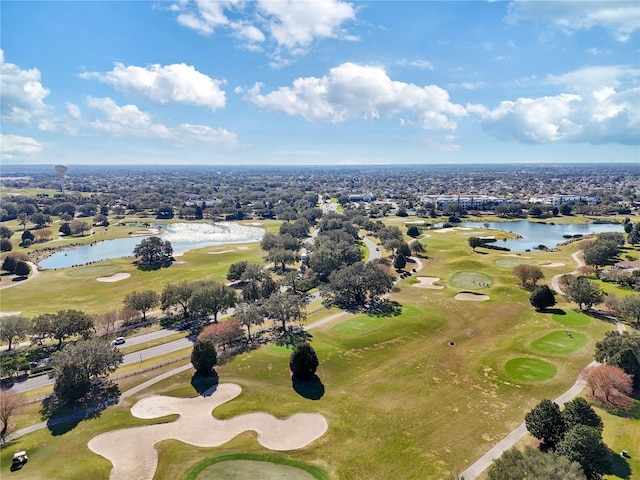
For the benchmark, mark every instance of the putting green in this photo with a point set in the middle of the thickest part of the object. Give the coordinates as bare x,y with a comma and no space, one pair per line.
251,469
511,262
530,369
358,325
571,318
560,342
470,280
93,270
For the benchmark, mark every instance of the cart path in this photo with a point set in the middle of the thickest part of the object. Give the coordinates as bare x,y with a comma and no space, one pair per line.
555,281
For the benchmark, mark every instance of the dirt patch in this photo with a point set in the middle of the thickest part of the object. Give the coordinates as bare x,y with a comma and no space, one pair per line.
148,231
132,452
552,264
116,277
471,297
223,251
428,282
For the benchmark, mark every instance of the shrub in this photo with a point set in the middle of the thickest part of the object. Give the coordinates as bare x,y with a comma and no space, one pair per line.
303,361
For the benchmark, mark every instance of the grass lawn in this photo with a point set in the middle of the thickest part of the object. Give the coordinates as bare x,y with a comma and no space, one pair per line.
571,318
400,401
560,342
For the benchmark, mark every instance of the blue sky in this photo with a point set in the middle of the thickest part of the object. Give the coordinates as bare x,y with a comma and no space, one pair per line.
320,82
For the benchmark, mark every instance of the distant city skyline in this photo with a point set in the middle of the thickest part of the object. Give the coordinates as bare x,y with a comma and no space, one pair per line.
320,82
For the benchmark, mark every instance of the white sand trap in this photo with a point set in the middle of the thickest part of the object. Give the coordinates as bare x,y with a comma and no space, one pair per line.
488,237
428,282
255,224
471,297
552,264
446,230
513,255
10,313
116,277
415,222
223,251
132,452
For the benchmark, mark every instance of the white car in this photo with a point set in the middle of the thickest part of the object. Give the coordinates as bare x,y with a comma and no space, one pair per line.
118,341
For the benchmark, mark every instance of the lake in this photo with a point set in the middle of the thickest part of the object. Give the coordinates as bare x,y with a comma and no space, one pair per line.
183,236
534,234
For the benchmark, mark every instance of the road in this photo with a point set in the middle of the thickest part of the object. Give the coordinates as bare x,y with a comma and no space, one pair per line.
555,281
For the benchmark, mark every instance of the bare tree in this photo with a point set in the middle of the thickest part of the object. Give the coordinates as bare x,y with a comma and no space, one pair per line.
10,402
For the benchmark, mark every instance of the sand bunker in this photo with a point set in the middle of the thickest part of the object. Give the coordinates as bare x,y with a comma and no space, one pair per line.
223,251
10,314
513,255
471,297
427,282
116,277
553,264
132,452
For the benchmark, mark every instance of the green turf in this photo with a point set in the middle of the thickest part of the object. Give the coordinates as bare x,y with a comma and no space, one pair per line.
252,469
530,369
560,342
94,270
511,262
358,325
470,280
571,318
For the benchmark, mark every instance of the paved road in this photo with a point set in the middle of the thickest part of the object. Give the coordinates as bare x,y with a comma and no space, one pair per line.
555,281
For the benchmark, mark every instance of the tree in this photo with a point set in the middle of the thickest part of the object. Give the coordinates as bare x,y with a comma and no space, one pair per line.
532,464
78,227
249,314
22,269
535,211
583,292
285,307
204,356
65,228
358,284
76,366
584,445
598,252
413,231
61,325
542,298
303,362
5,232
579,412
257,283
101,220
399,262
236,270
153,251
14,328
142,301
528,273
43,235
634,236
630,308
211,299
565,209
609,380
613,343
223,332
282,257
9,263
175,294
10,403
40,220
545,423
23,219
416,247
5,245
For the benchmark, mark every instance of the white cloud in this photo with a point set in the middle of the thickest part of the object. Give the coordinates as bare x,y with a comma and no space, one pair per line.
23,95
288,27
621,18
422,64
352,91
129,120
15,146
164,84
601,108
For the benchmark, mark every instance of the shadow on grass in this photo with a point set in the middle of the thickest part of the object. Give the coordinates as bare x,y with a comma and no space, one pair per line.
311,388
555,311
64,417
293,337
618,465
633,412
385,308
205,384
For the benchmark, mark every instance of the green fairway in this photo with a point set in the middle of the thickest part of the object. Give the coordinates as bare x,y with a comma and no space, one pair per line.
571,318
358,325
560,342
94,270
470,280
530,369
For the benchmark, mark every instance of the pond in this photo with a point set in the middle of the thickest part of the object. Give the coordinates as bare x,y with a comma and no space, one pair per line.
547,234
183,236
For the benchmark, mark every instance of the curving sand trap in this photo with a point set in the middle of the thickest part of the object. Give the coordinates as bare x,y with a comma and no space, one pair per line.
148,231
471,297
132,452
255,224
428,282
553,264
223,251
116,277
10,313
